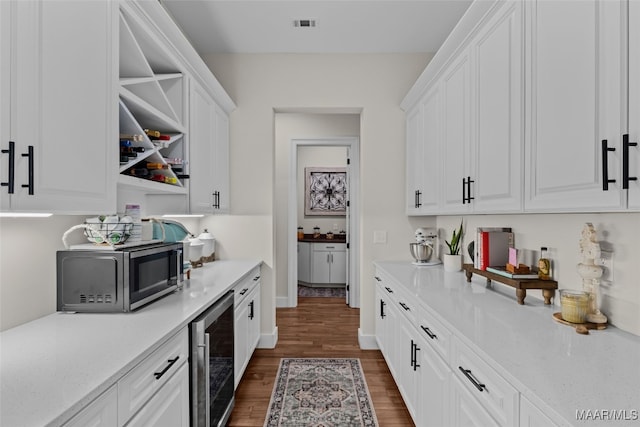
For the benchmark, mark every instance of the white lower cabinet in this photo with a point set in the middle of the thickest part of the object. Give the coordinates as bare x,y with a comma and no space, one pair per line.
329,263
170,406
246,322
443,381
102,412
304,262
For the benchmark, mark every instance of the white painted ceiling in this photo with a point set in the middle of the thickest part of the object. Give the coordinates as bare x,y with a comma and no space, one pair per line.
342,26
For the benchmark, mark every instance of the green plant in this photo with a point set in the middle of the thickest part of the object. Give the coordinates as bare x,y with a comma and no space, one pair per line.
456,239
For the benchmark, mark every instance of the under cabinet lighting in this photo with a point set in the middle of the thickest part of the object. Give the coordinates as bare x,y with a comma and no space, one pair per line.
183,216
25,215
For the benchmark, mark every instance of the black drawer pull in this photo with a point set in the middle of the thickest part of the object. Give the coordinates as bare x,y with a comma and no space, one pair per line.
389,289
470,377
377,278
255,279
403,305
428,332
244,291
171,362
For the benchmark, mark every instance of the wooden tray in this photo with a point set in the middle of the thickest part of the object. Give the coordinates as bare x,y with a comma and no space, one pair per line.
548,287
581,328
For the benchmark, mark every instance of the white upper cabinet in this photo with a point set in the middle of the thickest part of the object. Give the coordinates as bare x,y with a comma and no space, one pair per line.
455,148
209,153
633,127
575,94
497,138
59,106
423,165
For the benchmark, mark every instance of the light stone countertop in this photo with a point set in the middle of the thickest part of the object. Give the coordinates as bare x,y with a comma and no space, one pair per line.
549,363
53,366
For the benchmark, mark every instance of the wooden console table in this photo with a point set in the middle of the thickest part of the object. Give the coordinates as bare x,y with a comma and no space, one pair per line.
548,287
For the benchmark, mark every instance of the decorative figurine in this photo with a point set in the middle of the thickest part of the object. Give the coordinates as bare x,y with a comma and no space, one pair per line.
590,272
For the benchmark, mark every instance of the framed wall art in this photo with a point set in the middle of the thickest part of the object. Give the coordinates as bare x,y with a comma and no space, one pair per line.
325,191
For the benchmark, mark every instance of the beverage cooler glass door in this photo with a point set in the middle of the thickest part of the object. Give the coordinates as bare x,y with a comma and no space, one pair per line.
212,394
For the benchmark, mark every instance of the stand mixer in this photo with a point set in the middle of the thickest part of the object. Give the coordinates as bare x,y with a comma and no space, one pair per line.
423,250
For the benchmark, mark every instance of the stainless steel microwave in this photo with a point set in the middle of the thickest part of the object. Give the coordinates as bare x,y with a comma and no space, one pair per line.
124,280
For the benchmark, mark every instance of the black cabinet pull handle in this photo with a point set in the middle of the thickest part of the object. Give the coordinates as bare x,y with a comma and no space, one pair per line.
625,161
416,349
428,332
216,200
403,305
12,164
251,310
470,377
377,278
417,199
255,279
171,362
29,154
244,291
464,192
605,166
382,315
389,289
469,181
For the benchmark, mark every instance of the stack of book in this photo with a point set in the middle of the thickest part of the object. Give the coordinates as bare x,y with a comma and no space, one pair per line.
492,247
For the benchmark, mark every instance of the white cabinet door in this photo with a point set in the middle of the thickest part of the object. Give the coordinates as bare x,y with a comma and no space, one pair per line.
466,411
5,101
338,273
532,416
304,262
414,155
498,140
321,270
407,379
254,320
456,133
241,340
221,163
634,104
434,388
575,90
208,153
102,412
170,406
63,106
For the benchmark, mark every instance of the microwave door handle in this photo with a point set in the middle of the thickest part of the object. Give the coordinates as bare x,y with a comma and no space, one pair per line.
178,265
207,398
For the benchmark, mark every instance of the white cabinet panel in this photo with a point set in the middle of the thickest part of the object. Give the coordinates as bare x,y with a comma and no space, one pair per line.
304,262
466,410
634,104
102,412
170,407
247,308
329,263
456,133
434,388
498,138
575,88
208,153
532,416
63,106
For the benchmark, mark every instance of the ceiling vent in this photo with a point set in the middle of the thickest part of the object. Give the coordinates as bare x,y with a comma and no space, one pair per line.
304,23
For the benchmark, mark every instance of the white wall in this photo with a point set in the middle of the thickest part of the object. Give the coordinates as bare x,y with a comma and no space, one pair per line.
28,266
619,232
261,84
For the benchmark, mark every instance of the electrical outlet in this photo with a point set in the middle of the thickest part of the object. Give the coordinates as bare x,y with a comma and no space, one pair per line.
606,262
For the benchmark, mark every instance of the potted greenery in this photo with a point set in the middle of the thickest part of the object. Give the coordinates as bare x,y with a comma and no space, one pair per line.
453,260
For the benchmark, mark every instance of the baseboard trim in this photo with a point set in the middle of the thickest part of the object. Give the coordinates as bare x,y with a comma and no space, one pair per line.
367,342
268,340
282,302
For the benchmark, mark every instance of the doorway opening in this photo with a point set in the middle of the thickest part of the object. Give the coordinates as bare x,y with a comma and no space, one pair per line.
341,262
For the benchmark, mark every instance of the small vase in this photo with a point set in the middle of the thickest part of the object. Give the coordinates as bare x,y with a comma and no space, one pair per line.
452,262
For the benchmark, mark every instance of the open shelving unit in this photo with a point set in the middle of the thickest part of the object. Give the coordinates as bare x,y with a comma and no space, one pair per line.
152,96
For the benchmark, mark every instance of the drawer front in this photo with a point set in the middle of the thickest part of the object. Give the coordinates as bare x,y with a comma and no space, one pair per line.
141,383
492,391
245,286
387,287
329,247
435,333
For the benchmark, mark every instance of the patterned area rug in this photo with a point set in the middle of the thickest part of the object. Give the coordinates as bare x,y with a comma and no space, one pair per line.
320,393
308,291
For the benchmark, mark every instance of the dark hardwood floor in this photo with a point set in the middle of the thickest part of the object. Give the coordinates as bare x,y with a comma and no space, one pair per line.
318,327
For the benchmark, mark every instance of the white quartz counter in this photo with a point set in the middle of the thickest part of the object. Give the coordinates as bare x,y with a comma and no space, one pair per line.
51,367
551,365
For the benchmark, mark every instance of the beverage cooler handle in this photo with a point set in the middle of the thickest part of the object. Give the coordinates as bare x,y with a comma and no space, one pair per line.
207,393
12,164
